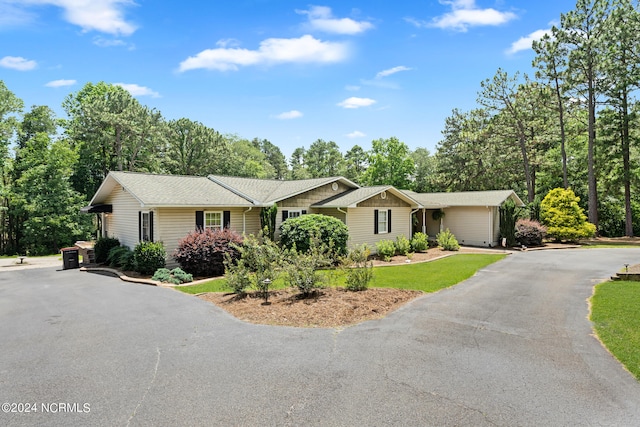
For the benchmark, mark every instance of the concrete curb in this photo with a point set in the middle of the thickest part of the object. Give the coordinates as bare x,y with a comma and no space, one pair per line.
141,281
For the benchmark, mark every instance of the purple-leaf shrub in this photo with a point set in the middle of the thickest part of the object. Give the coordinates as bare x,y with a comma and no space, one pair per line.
202,252
530,232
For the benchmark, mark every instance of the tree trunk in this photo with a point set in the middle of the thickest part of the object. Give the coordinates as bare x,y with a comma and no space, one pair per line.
593,189
628,229
563,151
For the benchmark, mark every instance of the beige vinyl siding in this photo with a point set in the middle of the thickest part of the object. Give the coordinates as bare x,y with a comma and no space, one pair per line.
172,224
252,221
332,212
471,225
122,223
360,223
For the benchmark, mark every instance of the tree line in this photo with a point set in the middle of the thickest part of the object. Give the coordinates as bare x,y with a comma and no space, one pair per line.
574,124
51,167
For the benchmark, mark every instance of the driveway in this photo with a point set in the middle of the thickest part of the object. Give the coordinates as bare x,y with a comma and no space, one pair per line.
511,346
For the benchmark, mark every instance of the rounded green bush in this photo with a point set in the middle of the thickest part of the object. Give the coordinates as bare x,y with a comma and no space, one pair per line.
301,232
149,257
563,216
419,242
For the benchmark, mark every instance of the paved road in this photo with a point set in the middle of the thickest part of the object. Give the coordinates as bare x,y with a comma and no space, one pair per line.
511,346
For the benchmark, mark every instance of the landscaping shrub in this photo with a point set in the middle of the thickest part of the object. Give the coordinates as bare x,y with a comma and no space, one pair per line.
259,258
563,216
238,276
508,217
419,242
121,257
530,232
403,245
103,246
202,252
358,269
299,233
177,276
386,249
268,220
302,271
447,241
148,257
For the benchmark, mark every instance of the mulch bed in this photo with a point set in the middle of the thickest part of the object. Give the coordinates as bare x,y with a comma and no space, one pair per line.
326,308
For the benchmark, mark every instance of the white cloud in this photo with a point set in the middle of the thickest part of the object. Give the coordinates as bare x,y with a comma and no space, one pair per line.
355,102
525,43
305,49
60,83
352,88
465,14
104,42
13,15
385,73
356,134
137,90
288,115
321,19
105,16
18,63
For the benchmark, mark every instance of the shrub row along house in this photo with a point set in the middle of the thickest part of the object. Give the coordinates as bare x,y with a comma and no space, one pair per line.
136,207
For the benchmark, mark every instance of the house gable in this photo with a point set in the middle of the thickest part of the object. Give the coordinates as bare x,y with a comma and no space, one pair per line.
383,200
311,197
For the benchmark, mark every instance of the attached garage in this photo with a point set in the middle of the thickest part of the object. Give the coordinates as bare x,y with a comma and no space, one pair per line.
472,216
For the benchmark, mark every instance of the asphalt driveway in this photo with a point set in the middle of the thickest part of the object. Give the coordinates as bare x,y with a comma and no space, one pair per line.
511,346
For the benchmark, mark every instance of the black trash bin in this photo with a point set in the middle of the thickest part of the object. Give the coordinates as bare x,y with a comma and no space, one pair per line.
70,258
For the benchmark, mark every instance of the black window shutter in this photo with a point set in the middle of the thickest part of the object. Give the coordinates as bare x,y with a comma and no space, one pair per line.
285,215
304,212
389,221
151,226
226,219
199,220
140,226
375,221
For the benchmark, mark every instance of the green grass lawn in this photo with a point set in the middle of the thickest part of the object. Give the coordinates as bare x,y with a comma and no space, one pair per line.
615,312
426,276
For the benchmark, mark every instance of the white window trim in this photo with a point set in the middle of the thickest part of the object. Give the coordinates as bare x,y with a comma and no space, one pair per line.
213,227
383,230
146,237
296,213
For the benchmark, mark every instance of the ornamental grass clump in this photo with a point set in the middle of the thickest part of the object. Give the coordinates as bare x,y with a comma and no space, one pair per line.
120,257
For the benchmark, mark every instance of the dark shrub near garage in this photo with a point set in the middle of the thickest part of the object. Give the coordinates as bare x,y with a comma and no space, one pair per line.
103,246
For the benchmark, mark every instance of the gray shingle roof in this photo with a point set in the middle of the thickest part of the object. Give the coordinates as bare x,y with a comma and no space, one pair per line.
269,191
353,197
464,198
170,190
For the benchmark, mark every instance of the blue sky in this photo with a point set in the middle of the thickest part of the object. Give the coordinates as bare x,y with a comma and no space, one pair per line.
288,71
